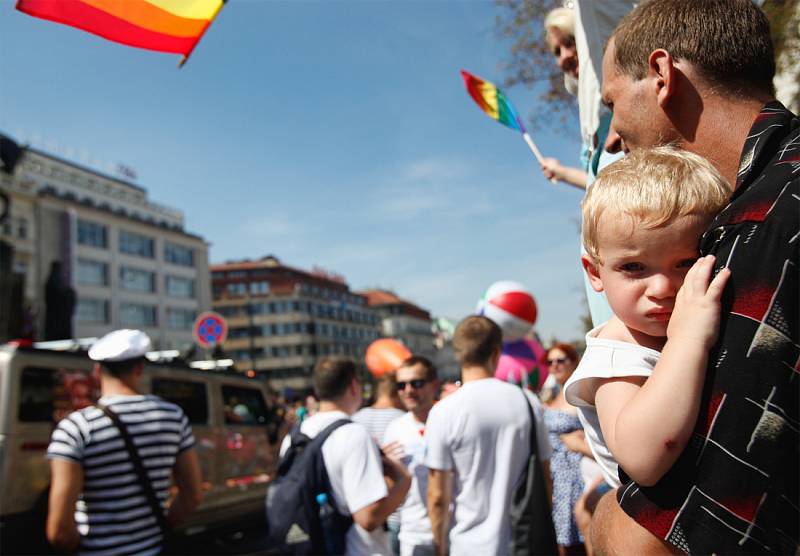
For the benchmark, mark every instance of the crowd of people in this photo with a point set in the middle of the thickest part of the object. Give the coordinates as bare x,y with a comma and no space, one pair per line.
677,428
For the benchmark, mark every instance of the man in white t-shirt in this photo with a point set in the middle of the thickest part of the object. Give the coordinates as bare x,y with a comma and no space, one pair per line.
405,437
477,444
364,483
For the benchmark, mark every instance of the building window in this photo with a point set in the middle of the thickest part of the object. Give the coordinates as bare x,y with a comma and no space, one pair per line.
92,311
133,314
134,244
136,280
178,254
92,234
259,288
229,311
92,273
179,287
22,228
237,289
180,319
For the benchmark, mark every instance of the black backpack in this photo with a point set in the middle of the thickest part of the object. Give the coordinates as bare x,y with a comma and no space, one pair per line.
294,521
532,530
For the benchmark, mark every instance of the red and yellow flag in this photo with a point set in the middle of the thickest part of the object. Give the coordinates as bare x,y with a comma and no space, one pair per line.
164,25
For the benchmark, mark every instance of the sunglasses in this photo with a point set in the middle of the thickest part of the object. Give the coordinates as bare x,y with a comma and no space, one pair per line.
416,384
557,361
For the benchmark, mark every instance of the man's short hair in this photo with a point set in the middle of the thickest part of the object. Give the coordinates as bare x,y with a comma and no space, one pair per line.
562,19
119,369
654,187
475,340
332,376
727,41
430,368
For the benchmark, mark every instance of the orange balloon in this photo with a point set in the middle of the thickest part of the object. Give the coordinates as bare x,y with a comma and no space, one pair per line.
385,356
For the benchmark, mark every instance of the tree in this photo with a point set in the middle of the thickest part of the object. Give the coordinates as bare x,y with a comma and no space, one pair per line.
784,18
531,63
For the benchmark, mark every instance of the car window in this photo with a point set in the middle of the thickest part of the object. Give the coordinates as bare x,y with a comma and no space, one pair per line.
47,395
244,406
191,396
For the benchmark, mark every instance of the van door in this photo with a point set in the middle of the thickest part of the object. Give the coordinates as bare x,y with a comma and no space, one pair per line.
248,457
192,395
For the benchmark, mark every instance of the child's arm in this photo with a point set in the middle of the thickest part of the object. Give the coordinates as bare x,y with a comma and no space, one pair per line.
647,426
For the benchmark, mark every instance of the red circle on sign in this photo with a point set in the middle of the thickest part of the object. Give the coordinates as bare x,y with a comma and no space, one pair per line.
210,329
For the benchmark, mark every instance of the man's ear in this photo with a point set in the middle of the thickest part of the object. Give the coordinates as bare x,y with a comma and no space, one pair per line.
591,271
495,359
661,67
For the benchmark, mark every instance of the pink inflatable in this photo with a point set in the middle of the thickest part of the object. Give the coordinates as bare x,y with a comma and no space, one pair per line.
524,363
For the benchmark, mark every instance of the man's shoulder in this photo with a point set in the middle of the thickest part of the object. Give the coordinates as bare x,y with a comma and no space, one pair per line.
768,170
474,398
82,417
447,406
317,423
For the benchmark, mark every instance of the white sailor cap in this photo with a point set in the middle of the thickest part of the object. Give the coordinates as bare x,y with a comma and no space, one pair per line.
120,345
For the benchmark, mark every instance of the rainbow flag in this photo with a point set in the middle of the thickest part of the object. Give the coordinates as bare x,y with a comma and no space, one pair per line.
174,26
493,101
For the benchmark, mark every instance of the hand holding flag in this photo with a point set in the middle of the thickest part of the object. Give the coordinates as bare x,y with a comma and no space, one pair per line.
496,105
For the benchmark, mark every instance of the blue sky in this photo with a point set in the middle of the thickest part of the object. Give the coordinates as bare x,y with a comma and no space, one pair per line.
330,133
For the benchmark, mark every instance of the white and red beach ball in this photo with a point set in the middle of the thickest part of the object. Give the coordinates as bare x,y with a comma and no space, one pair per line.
511,306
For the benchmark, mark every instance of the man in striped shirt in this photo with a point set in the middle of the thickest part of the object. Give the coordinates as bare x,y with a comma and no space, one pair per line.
97,502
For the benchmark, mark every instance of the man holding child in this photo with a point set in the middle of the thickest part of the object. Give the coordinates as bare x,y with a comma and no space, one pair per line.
698,75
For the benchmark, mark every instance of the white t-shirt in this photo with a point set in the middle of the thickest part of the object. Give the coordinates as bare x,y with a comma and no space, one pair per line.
354,467
604,359
482,433
415,527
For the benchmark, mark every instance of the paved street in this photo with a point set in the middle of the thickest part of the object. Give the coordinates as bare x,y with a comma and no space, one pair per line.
245,539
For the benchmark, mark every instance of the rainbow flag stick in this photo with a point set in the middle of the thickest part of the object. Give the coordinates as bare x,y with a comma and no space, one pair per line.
534,148
496,105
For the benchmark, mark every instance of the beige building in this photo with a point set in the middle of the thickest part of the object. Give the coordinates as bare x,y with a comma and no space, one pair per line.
128,259
282,319
404,321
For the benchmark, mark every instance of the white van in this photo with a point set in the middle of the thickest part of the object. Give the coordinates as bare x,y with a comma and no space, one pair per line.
229,414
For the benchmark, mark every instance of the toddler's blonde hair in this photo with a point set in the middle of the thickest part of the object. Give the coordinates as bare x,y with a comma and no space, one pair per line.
654,187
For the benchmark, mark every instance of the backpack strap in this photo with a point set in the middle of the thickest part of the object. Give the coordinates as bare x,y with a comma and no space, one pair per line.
326,432
534,443
138,466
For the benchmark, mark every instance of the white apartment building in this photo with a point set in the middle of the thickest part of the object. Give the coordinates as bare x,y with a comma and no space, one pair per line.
129,260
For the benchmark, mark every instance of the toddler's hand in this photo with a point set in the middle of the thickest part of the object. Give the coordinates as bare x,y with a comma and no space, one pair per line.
697,305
